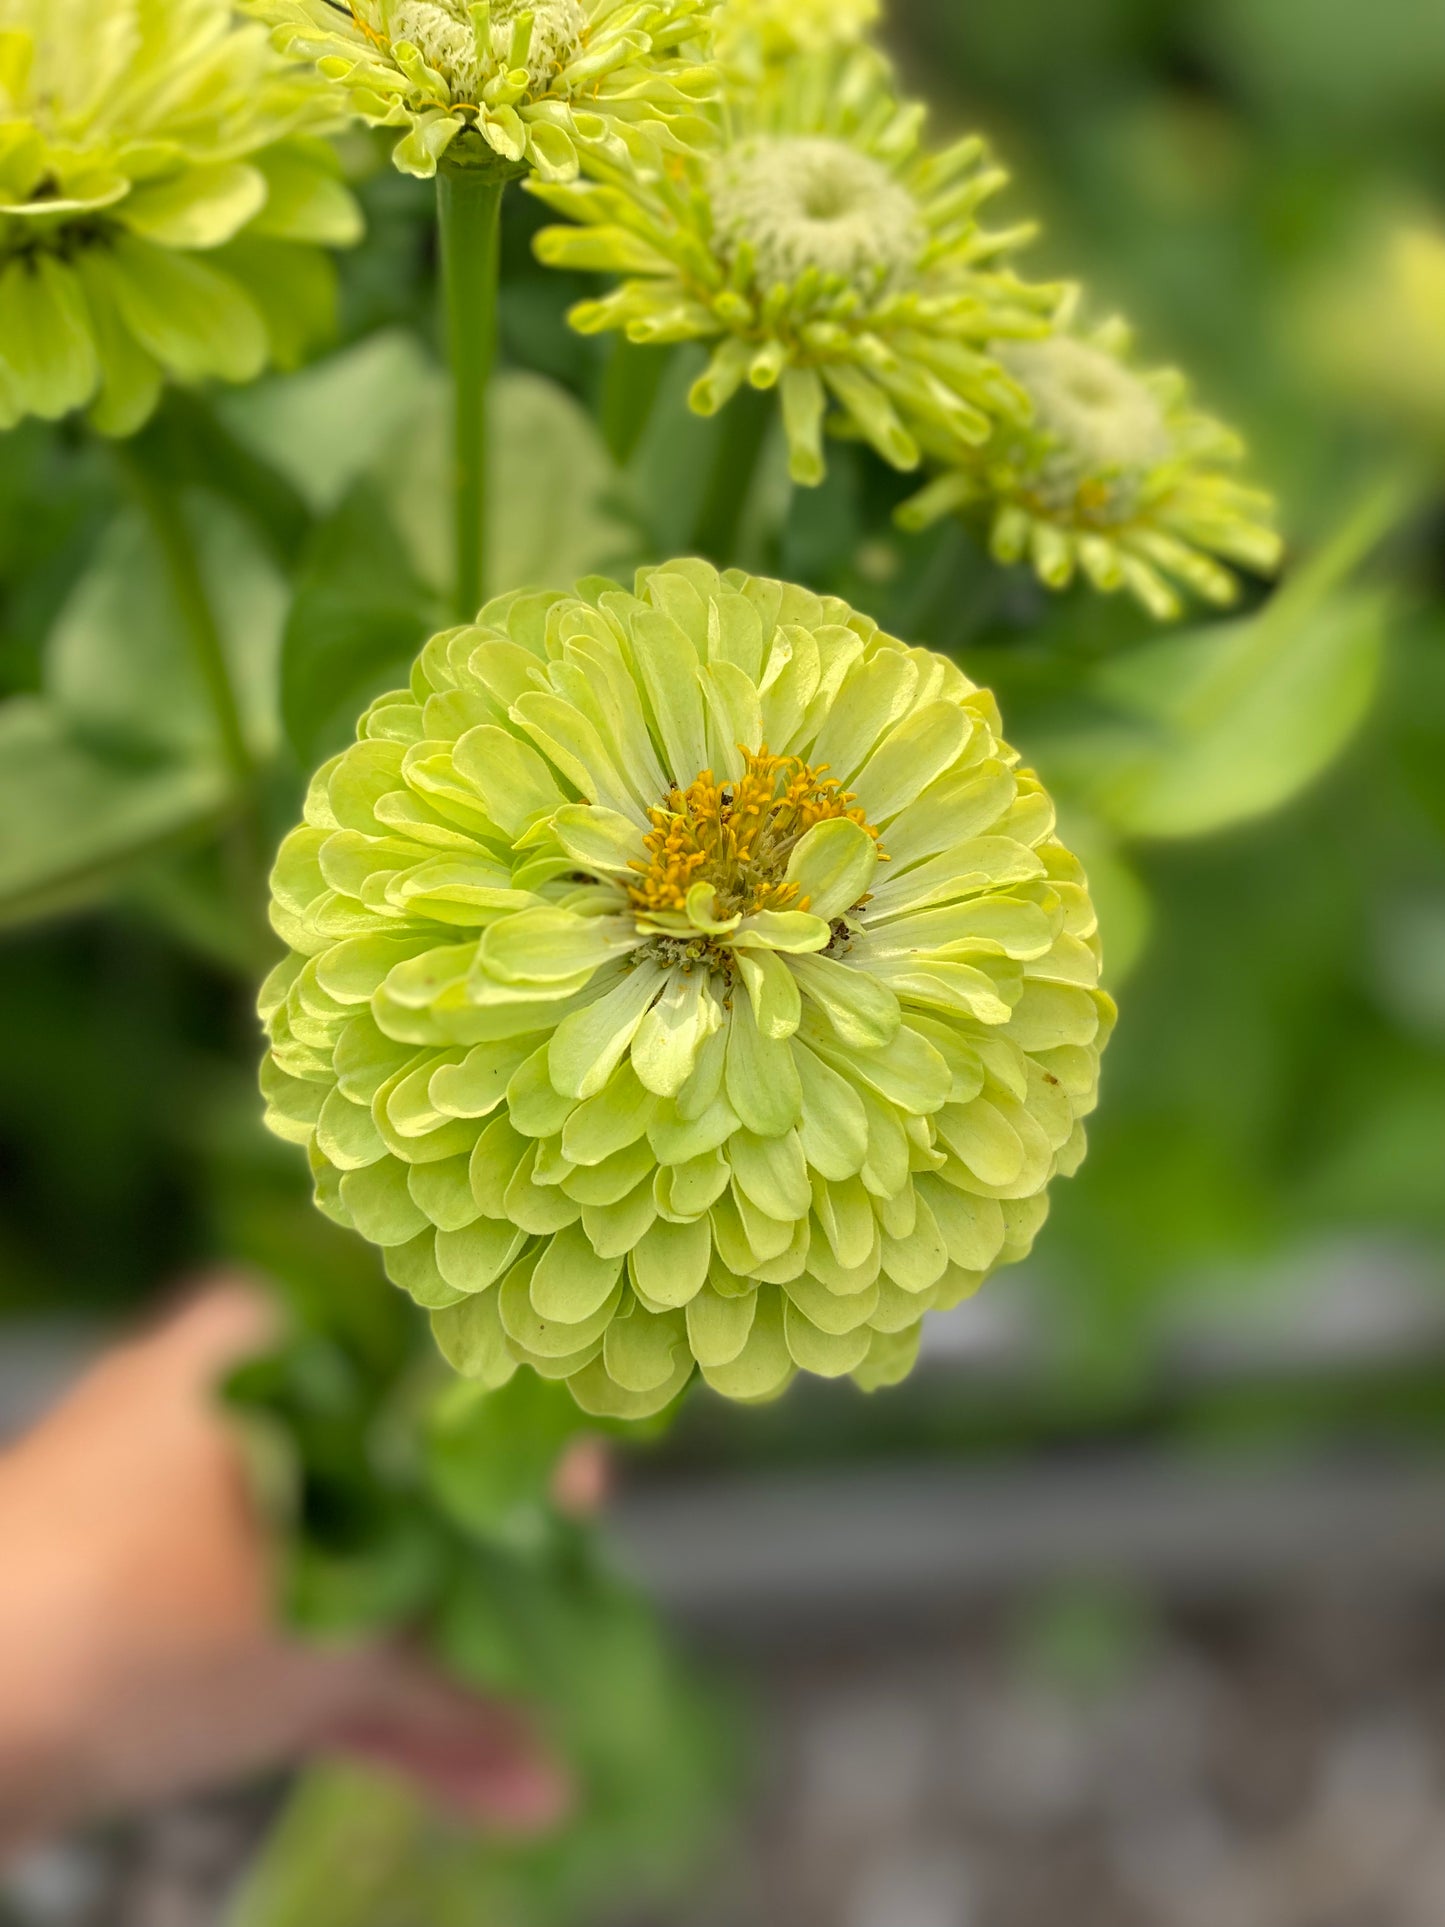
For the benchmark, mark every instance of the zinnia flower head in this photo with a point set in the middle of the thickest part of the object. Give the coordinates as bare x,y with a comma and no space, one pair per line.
1116,475
755,35
520,84
162,203
826,252
683,979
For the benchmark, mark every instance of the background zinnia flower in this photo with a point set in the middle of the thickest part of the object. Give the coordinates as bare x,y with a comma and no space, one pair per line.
826,251
163,205
1116,475
508,84
687,978
754,34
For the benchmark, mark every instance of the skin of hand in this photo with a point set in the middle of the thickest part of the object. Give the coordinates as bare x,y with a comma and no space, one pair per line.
139,1655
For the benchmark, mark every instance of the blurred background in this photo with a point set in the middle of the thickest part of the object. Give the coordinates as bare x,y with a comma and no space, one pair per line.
1130,1608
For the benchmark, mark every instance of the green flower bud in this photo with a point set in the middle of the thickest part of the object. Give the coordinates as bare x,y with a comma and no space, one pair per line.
685,979
164,202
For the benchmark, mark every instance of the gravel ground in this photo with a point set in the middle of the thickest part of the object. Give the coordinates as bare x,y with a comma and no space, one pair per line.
1271,1763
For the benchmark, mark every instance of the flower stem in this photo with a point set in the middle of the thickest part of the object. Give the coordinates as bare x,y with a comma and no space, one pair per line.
469,209
744,425
629,391
162,509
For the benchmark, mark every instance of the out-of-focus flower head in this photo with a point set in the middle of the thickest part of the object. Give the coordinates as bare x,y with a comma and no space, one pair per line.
1116,476
826,252
516,84
755,35
163,203
683,979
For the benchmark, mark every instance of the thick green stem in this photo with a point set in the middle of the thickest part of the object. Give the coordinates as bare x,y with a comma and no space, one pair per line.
163,511
469,209
744,425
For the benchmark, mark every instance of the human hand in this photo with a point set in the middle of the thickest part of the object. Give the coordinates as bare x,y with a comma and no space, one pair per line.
139,1657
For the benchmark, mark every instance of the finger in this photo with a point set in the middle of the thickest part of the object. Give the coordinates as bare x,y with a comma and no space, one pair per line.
480,1758
582,1483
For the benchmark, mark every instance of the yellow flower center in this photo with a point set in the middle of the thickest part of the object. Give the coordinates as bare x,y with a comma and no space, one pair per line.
738,836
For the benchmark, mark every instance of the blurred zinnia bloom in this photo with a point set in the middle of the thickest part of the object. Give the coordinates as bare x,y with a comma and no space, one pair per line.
163,205
505,84
1116,476
826,252
683,979
757,34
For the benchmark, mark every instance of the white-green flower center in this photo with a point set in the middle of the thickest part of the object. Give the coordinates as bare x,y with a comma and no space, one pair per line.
446,39
1105,420
813,203
558,30
446,43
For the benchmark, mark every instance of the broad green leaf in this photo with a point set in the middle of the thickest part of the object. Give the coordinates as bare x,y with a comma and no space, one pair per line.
119,665
359,616
73,820
1236,719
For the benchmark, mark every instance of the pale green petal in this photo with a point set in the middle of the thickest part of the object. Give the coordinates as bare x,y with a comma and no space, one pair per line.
596,838
762,1079
473,1258
863,1012
826,1354
718,1327
590,1044
598,1393
201,208
664,1051
553,946
764,1365
891,1357
772,1172
642,1352
571,1283
773,991
380,1204
610,1121
46,342
923,746
471,1339
669,1265
833,867
548,1338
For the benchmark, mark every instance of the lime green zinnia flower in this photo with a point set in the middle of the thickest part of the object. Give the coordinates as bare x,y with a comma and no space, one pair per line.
825,251
1117,475
517,83
687,978
161,205
754,35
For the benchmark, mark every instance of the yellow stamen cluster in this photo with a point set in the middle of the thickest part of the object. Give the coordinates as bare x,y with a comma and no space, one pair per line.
738,836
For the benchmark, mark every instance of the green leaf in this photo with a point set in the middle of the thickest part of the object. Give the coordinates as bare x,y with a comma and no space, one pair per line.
552,480
1239,718
359,616
119,668
380,412
72,820
336,422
